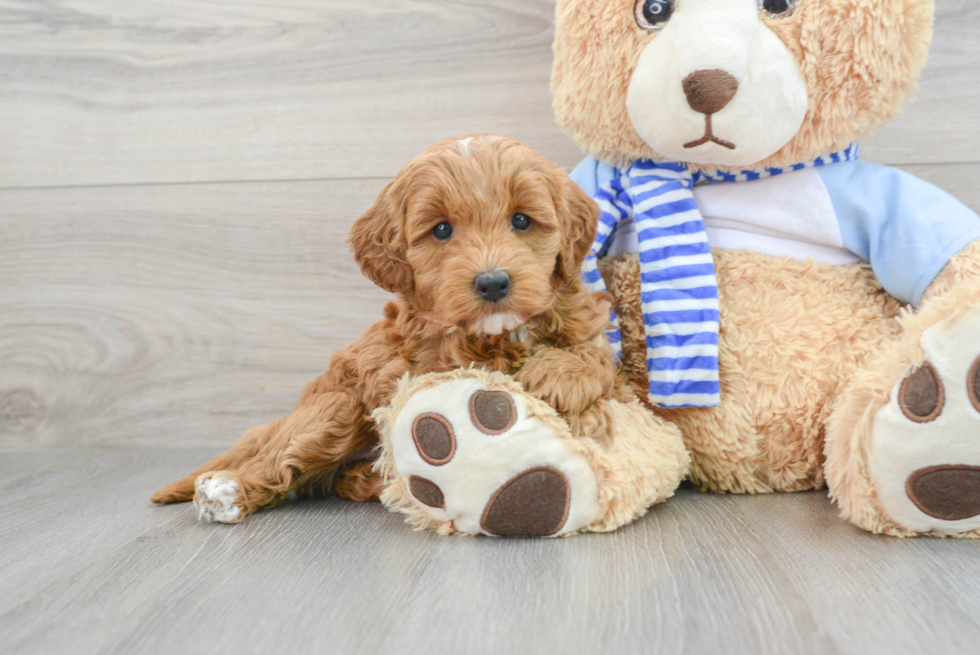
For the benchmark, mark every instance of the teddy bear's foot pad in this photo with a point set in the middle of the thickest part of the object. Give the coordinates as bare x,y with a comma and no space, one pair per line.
480,456
926,441
509,514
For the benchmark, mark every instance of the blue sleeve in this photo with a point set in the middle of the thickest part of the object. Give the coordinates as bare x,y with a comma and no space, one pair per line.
601,182
592,174
905,227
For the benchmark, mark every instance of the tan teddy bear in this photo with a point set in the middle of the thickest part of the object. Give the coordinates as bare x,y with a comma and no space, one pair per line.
846,320
806,319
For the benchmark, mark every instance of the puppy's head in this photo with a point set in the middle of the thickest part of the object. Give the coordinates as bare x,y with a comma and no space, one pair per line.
480,232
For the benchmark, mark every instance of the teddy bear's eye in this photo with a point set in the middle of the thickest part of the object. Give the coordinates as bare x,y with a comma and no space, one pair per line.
652,14
778,7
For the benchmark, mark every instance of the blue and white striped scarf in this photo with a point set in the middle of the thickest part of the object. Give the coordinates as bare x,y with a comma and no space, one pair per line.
677,274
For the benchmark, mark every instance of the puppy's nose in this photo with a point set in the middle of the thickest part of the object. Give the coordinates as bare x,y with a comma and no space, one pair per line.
709,91
492,285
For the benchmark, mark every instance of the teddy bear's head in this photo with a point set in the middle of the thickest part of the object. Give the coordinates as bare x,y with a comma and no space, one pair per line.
733,83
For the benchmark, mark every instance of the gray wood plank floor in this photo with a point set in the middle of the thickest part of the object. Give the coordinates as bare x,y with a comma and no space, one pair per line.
89,566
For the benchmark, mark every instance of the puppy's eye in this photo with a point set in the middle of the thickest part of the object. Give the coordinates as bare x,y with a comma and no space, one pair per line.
520,222
778,7
443,231
651,15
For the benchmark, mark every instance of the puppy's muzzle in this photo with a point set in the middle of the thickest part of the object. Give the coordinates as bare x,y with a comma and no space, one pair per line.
492,286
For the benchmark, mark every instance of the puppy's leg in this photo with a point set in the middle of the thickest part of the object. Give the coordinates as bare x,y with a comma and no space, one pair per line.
182,490
302,450
229,496
359,482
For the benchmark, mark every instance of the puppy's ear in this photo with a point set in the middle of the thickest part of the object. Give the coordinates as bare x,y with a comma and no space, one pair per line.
579,221
378,245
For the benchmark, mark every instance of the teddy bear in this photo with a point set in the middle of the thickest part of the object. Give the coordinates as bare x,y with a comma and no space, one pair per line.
843,303
805,319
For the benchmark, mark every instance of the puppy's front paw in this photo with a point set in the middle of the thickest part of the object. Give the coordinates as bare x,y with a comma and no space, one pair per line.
568,380
216,496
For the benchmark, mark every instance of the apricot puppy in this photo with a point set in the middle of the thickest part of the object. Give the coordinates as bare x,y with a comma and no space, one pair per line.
482,240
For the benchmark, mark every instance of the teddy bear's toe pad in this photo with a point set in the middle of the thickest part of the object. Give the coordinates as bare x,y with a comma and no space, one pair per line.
492,412
925,458
476,451
427,492
434,438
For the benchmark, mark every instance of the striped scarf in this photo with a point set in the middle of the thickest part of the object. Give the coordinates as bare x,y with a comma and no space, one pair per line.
677,274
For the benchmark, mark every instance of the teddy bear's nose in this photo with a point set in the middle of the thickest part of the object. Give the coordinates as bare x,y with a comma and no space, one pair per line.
708,91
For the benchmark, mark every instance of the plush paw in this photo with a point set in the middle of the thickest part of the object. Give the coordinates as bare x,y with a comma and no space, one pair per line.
216,499
925,460
472,452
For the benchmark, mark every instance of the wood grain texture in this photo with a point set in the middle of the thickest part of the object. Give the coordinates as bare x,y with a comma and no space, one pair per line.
90,567
110,92
103,92
942,125
172,315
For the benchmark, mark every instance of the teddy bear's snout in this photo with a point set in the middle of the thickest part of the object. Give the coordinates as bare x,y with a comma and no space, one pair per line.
709,91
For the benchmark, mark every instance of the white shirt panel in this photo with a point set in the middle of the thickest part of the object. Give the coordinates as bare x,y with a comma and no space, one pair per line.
786,215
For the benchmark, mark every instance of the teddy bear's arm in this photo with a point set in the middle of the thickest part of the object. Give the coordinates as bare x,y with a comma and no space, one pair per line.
906,228
591,174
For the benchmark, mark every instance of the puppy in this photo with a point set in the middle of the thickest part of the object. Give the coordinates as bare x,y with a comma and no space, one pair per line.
482,240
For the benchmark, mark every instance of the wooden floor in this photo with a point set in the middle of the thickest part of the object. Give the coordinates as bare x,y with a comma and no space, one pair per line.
177,178
89,566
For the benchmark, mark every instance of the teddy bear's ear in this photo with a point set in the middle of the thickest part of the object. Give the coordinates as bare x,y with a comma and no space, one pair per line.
378,244
579,220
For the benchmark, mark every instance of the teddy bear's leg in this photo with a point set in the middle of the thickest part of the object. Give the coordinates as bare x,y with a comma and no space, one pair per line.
471,452
903,441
